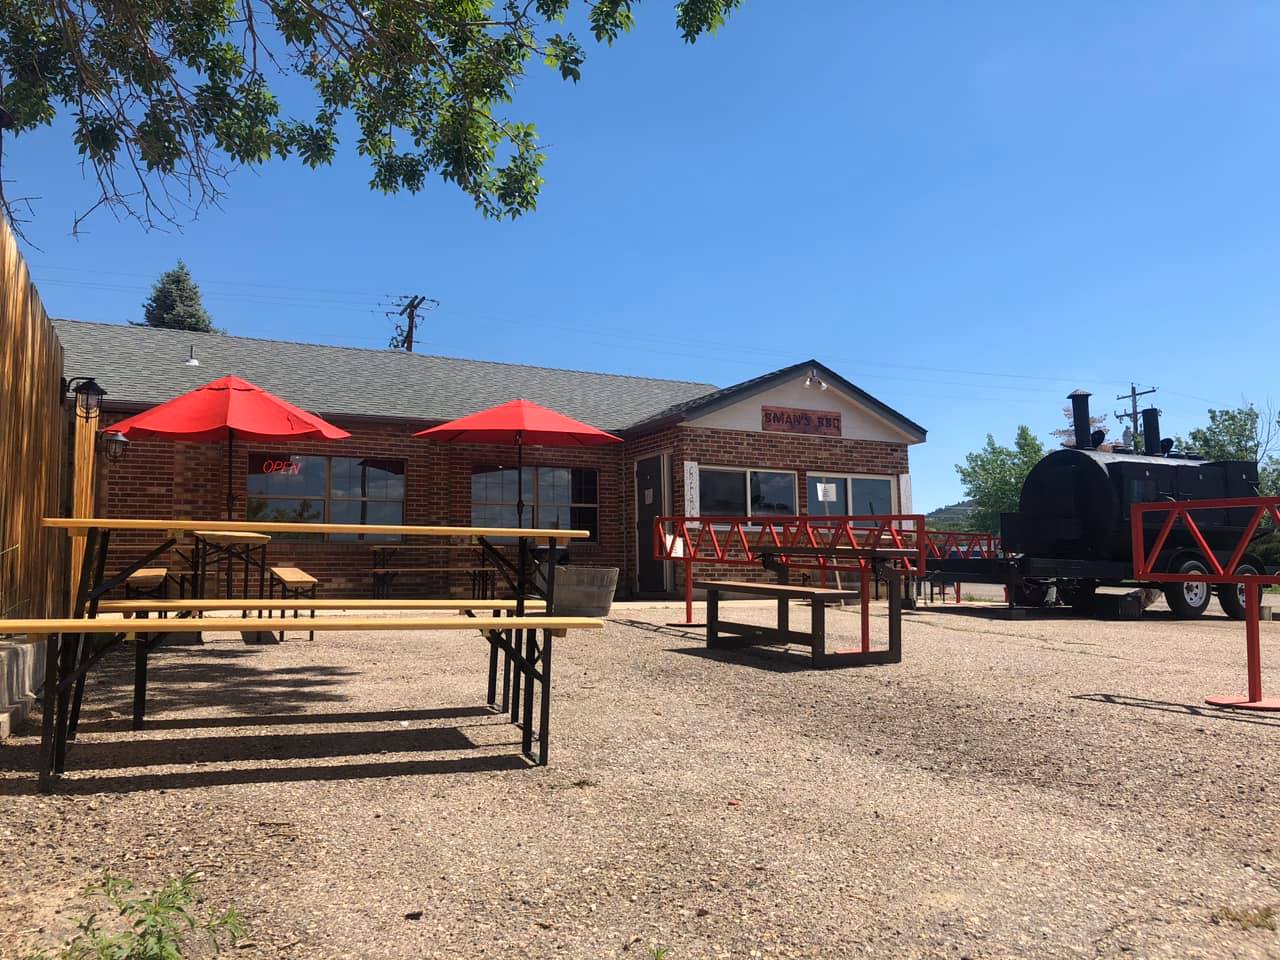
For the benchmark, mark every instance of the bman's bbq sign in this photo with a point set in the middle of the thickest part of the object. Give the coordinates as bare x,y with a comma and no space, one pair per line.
822,423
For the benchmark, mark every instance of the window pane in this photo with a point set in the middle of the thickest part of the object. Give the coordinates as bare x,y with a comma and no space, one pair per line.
837,487
773,494
552,517
553,485
281,475
873,496
722,493
368,477
585,518
584,486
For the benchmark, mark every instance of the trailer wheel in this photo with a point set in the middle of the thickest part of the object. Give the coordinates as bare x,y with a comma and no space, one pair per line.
1231,596
1188,600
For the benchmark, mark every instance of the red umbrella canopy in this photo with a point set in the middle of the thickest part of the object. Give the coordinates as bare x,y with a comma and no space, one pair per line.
520,421
226,408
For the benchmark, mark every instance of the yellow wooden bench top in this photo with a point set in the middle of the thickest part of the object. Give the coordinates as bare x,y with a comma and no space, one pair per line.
78,525
180,606
147,575
293,576
231,536
333,624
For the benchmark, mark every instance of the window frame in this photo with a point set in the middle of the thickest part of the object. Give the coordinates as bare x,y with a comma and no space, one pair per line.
533,502
746,485
329,497
848,479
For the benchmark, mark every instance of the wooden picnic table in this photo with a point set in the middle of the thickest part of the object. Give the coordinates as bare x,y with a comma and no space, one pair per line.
525,651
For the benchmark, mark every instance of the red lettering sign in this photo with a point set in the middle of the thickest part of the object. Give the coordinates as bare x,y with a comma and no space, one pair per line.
821,423
289,468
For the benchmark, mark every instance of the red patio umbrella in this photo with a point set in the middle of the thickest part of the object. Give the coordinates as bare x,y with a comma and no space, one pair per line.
225,409
520,422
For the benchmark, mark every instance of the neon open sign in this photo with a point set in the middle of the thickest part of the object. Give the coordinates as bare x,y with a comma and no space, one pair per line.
289,468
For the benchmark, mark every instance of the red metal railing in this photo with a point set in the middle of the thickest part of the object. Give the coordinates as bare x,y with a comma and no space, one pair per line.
1146,566
740,540
946,543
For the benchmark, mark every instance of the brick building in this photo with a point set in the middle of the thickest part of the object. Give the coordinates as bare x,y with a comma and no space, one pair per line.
764,446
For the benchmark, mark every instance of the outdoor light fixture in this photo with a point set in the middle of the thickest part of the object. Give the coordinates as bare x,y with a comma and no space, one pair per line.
115,445
812,379
88,395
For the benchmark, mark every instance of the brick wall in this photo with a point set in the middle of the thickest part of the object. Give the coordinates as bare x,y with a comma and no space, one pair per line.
161,478
735,448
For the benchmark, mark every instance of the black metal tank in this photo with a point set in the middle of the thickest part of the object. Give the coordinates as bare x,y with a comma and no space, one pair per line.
1075,503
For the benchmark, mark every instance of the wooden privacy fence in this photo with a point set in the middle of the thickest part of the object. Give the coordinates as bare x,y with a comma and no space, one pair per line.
33,446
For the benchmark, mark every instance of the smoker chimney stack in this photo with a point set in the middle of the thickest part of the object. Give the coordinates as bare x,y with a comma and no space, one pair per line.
1151,432
1080,418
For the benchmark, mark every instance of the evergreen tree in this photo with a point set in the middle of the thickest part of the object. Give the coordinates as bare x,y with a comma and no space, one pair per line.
175,303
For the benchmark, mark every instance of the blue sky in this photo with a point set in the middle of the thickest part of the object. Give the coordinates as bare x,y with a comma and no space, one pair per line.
968,210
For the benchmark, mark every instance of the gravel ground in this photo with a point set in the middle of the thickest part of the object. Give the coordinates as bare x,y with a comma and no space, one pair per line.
1041,788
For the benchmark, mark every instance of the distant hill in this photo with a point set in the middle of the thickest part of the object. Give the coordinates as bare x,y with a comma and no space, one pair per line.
954,516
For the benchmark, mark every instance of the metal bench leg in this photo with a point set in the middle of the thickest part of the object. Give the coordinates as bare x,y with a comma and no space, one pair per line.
311,634
713,617
784,618
506,678
52,656
526,726
87,649
517,641
544,717
140,650
818,631
895,618
491,691
864,600
68,661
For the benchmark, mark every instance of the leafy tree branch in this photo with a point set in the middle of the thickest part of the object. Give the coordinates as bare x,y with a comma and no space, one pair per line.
167,97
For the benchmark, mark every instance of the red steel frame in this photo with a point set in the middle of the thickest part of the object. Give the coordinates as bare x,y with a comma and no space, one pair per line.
735,540
1146,567
942,543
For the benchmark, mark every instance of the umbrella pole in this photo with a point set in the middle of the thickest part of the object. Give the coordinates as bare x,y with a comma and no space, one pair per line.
519,478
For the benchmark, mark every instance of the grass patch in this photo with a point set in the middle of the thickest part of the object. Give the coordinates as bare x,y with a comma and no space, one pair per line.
154,926
1247,918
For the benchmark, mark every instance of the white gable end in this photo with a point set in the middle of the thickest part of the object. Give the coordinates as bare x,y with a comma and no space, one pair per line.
857,422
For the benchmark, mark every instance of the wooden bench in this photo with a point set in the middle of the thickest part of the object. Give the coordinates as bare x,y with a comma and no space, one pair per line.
748,634
75,645
147,582
295,584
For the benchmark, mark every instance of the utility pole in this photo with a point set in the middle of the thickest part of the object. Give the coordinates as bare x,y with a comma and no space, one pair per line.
1132,413
410,304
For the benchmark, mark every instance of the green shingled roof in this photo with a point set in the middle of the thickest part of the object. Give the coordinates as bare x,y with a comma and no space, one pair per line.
145,365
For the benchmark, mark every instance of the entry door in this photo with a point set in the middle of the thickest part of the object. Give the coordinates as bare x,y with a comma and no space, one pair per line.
650,503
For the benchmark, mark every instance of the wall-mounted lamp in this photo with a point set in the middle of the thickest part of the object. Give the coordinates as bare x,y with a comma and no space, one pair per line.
87,393
813,379
114,445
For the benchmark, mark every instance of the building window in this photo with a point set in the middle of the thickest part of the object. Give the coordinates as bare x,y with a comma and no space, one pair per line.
838,495
315,489
555,498
724,492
